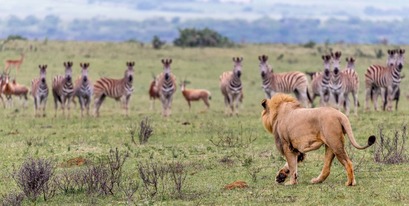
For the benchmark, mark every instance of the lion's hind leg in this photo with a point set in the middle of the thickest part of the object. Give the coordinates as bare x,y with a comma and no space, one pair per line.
346,162
329,157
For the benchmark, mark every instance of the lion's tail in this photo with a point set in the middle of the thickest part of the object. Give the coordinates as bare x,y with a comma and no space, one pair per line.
348,130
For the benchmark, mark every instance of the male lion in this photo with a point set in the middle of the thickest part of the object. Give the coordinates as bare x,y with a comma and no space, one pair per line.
299,130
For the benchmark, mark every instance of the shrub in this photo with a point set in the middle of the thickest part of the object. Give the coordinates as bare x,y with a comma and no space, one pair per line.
157,43
391,150
145,131
201,38
13,199
33,178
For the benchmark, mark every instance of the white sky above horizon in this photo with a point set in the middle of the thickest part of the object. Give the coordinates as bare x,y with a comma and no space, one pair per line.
230,9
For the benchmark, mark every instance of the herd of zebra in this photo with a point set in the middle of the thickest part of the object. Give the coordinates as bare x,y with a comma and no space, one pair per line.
328,84
331,83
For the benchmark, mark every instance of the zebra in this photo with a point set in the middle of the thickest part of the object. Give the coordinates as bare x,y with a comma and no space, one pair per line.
165,85
284,82
83,88
386,79
320,82
344,82
231,86
39,91
63,89
118,89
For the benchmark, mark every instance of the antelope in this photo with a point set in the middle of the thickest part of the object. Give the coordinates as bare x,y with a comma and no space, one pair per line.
14,89
195,94
10,63
153,92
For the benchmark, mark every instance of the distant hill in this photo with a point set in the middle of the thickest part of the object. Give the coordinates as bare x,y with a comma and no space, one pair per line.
252,21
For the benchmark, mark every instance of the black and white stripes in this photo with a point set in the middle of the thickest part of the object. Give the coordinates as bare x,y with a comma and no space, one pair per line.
166,85
344,82
83,89
320,82
231,86
118,89
63,88
386,79
39,91
287,82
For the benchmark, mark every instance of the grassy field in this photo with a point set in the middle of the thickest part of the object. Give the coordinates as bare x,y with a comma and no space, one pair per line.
190,137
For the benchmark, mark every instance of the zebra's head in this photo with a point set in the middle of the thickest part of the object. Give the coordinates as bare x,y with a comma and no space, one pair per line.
327,63
237,66
350,63
84,72
68,71
43,72
264,67
166,67
129,71
391,58
335,61
400,59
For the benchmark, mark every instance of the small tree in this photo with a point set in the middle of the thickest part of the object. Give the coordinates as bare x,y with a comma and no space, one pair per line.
157,43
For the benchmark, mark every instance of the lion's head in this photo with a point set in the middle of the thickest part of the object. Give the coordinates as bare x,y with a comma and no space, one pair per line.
272,106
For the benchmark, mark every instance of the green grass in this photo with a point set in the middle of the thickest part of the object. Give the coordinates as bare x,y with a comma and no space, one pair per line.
60,139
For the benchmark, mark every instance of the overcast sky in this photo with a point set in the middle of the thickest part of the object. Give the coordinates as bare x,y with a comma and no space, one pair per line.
223,9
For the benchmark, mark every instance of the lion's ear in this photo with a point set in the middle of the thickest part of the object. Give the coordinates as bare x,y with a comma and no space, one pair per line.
264,103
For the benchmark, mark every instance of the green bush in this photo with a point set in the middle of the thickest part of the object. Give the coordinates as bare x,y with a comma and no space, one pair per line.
201,38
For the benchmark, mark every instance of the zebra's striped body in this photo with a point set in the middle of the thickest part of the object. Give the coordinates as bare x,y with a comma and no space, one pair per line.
287,82
344,82
118,89
166,87
231,87
386,79
39,91
63,89
83,89
320,82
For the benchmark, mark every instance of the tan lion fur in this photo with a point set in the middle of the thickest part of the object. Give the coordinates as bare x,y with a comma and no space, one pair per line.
299,130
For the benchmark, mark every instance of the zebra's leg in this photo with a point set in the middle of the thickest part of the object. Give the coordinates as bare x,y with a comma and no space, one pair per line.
44,105
87,103
69,100
346,100
35,106
126,104
98,103
81,102
226,104
170,105
355,96
231,103
368,91
390,96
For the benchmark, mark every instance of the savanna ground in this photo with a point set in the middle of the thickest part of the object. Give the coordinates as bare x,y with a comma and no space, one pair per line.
190,137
